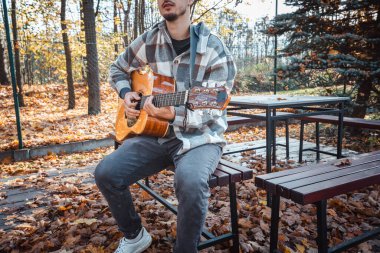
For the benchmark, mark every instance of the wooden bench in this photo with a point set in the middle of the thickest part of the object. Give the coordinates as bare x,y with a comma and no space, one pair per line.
332,119
239,120
226,173
314,185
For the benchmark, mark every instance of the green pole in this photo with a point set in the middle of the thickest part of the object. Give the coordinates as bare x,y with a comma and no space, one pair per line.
12,67
275,55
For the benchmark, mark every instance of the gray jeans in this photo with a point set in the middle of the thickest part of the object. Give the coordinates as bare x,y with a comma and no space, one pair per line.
140,157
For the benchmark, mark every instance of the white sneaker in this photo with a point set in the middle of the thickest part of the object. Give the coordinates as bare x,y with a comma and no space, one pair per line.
133,246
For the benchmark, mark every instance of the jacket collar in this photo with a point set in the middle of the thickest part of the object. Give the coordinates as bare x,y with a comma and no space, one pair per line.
201,30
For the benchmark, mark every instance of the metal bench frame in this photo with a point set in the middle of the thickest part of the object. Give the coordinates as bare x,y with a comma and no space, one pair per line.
263,117
329,119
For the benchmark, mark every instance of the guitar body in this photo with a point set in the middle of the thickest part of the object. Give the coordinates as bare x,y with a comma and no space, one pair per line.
145,82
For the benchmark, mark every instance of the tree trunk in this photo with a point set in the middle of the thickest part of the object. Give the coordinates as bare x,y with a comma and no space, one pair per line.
31,73
142,16
66,45
92,58
362,98
17,55
3,73
116,47
127,12
84,64
136,20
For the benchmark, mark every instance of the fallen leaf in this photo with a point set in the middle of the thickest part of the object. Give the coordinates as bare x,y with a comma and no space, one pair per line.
85,221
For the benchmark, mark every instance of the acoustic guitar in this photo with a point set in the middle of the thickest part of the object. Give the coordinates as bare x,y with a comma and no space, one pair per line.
147,83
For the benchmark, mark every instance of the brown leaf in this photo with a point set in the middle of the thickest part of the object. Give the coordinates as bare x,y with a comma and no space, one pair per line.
245,223
264,226
343,162
85,221
98,240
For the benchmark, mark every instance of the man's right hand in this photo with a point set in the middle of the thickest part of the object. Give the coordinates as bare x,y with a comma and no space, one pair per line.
130,104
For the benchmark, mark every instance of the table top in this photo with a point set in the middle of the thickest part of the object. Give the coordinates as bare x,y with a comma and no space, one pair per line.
277,101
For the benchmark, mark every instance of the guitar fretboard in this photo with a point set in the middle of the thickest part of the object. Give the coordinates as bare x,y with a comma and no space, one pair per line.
167,99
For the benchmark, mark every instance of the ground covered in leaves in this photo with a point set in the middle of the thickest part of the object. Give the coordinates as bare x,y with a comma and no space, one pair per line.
45,119
69,214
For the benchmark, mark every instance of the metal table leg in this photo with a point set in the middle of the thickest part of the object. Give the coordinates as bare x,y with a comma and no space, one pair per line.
274,219
274,139
340,130
322,226
287,138
317,141
301,141
269,139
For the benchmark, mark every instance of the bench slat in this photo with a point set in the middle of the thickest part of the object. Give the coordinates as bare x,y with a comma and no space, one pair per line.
261,180
236,120
246,173
213,181
254,117
277,114
235,176
284,189
313,176
347,121
330,188
222,177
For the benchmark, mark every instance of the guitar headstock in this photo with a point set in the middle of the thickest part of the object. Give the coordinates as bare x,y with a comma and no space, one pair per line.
208,98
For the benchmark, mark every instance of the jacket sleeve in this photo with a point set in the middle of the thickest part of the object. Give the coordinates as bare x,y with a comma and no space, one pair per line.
132,58
220,71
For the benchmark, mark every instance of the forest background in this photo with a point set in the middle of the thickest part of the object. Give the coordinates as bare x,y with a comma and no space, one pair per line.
325,47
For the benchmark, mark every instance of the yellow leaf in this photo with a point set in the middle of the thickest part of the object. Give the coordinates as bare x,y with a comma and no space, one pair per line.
300,248
287,250
333,52
263,202
64,208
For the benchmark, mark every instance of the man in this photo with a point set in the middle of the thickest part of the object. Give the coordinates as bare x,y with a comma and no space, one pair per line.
195,142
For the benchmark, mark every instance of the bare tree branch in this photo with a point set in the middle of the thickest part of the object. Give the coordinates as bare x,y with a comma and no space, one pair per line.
212,8
97,8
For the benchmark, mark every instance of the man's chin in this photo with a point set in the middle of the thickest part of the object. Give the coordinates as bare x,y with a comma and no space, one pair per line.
170,17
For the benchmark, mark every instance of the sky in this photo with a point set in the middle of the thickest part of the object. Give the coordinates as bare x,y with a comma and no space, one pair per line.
255,9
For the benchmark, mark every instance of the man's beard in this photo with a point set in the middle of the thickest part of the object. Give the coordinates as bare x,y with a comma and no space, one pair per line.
173,16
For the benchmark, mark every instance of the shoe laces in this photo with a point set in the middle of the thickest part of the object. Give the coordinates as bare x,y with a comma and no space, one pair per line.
120,249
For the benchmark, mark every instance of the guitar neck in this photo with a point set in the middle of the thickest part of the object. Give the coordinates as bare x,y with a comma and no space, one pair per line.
167,99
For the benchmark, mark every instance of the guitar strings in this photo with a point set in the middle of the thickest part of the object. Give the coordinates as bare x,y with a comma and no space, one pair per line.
167,99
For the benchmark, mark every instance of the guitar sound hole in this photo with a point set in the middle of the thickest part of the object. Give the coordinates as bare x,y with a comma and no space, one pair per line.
131,122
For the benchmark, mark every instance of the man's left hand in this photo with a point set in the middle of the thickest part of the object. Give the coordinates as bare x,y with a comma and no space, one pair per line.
166,113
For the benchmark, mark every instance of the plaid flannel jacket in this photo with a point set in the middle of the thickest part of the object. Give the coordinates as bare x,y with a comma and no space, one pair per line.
214,66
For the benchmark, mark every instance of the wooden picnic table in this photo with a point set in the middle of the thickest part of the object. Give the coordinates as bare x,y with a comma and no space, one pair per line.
271,103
